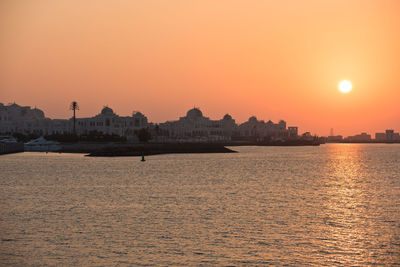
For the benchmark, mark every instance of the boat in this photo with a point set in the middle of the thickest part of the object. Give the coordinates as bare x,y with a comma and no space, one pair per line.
41,144
6,139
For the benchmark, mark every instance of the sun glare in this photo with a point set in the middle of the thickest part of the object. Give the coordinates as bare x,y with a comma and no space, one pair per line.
345,86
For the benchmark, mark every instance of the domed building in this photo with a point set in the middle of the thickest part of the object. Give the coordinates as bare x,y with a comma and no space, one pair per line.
254,129
106,111
37,113
227,117
194,127
194,114
26,120
107,122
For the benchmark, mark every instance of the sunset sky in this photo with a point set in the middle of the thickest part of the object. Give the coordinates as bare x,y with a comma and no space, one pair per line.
272,59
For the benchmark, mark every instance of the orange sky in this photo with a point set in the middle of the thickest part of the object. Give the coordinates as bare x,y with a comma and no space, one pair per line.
272,59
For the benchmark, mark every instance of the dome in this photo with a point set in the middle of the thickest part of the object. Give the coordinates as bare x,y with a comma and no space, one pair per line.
253,118
137,113
13,105
37,113
107,111
194,113
227,117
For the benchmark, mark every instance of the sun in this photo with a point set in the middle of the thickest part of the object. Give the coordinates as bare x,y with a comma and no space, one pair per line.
345,86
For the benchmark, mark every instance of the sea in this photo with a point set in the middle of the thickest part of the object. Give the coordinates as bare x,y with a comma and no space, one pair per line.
331,205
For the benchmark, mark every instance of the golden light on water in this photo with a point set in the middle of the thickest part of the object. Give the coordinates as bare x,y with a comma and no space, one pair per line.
345,86
346,210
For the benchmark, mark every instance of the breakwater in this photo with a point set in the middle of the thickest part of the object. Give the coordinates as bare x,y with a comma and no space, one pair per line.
121,149
114,150
7,148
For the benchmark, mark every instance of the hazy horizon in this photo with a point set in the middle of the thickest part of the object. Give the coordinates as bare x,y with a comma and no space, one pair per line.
273,60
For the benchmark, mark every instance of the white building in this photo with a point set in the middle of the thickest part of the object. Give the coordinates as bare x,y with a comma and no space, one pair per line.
25,120
260,130
107,122
195,127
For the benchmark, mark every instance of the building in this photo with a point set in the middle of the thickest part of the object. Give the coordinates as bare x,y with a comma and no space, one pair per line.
334,138
293,132
363,137
307,136
107,122
25,120
195,127
387,136
380,137
259,130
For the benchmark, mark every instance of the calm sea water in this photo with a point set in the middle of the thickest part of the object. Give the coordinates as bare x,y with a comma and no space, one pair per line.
327,205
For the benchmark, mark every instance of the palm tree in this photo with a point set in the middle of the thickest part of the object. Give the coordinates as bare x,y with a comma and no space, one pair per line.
74,106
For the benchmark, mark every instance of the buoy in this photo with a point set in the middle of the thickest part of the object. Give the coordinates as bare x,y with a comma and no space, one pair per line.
143,158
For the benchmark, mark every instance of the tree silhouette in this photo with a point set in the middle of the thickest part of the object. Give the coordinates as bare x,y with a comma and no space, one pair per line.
74,106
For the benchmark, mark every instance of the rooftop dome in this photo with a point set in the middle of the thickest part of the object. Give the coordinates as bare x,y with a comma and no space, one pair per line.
227,117
38,113
107,111
13,105
137,113
194,113
253,118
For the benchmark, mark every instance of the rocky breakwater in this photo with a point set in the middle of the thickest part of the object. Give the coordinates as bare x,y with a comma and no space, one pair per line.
156,149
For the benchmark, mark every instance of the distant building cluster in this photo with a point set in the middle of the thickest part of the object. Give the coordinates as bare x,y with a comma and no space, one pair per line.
192,127
195,126
388,136
363,137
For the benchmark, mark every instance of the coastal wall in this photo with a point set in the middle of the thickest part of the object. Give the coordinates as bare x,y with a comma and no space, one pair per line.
11,148
111,150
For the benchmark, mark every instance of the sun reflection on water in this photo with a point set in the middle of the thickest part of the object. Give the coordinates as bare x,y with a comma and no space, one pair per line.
348,208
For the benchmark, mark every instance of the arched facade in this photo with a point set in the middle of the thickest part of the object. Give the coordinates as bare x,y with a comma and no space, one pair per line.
107,122
195,127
